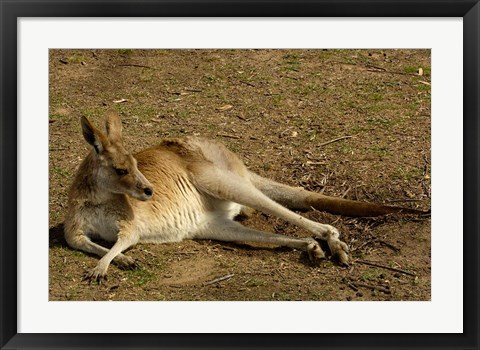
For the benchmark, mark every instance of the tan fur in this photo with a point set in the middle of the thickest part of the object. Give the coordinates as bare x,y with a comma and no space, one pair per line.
180,189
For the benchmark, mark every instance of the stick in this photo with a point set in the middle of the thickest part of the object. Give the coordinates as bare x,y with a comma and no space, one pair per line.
382,70
219,279
346,192
354,287
390,245
247,83
229,136
309,162
385,267
334,140
135,65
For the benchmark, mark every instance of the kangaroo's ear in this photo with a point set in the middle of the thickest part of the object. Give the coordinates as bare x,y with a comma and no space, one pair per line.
93,136
113,125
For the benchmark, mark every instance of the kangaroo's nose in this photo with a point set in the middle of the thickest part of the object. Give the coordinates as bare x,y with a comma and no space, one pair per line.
148,191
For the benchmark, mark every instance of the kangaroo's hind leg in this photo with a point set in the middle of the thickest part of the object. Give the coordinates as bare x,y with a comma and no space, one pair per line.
295,198
227,230
227,185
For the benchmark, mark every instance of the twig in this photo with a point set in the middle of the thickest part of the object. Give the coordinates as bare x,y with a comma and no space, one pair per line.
377,68
219,279
385,267
346,191
309,162
382,70
57,149
403,200
135,65
334,140
229,136
354,287
247,83
229,248
390,245
381,289
193,90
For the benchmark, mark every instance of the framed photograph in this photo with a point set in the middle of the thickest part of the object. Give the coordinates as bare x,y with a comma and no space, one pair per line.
309,168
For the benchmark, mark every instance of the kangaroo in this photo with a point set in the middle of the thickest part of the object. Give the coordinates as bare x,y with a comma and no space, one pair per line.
185,188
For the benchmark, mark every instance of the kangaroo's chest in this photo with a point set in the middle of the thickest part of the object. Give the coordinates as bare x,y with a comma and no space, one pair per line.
104,221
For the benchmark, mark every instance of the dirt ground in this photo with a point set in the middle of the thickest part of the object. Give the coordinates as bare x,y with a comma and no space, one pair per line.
348,123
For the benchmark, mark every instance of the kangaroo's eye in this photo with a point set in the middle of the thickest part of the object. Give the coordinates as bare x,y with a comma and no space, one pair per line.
121,172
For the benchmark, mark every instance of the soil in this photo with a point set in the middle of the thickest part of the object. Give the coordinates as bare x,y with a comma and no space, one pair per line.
348,123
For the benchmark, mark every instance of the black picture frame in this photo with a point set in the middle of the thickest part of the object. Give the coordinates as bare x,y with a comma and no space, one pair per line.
12,10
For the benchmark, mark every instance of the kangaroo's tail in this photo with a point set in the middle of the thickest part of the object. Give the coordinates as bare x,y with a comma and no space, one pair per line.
353,208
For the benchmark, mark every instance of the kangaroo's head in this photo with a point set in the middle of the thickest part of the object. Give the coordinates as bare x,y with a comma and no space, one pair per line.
116,169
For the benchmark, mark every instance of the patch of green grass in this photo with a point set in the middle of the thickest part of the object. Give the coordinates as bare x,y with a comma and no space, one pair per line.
423,87
375,96
125,51
282,296
408,173
182,114
319,295
381,107
381,151
56,100
291,61
56,216
411,69
58,116
427,71
93,112
72,294
422,239
266,166
59,265
140,276
358,128
146,75
418,281
358,254
276,100
146,112
255,282
209,78
62,172
76,59
308,89
371,274
379,121
344,148
226,264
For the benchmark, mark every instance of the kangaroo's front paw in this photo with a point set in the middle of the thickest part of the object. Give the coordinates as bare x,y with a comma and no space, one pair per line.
339,250
96,274
125,262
